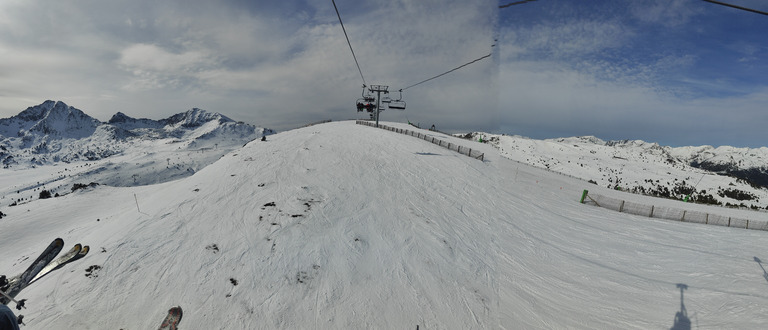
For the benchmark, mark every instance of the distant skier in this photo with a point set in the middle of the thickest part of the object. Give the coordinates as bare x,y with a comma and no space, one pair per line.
263,138
8,320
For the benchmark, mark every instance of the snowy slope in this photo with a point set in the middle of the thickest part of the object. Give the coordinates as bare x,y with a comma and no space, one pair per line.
647,168
346,226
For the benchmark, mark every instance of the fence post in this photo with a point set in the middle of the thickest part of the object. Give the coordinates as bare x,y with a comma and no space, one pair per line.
706,219
651,215
729,221
621,207
583,195
683,218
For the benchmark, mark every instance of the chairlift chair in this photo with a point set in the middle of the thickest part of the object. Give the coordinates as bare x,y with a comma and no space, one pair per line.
398,104
365,102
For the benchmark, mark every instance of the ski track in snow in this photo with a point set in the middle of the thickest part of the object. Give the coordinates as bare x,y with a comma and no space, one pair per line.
345,226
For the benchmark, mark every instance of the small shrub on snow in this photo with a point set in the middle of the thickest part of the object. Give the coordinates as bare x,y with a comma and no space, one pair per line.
45,194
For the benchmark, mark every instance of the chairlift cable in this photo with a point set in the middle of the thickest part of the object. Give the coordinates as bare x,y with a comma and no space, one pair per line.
735,6
515,3
447,72
348,43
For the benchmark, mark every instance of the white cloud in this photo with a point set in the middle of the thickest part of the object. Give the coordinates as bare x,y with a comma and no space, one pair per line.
669,13
576,37
549,99
151,57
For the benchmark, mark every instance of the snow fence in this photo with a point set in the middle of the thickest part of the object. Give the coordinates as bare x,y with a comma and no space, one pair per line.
670,213
448,145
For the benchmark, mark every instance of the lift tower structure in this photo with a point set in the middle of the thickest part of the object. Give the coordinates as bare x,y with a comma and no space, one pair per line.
378,89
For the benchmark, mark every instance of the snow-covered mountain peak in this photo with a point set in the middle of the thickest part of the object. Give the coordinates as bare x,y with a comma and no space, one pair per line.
195,117
582,139
37,112
129,123
632,143
53,119
120,117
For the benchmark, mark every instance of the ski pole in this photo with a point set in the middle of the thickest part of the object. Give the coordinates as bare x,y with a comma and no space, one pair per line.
18,304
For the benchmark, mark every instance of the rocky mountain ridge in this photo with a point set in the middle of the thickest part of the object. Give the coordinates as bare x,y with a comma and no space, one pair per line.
54,132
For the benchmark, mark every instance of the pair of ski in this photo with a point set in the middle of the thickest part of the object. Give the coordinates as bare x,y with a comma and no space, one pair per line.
75,253
43,265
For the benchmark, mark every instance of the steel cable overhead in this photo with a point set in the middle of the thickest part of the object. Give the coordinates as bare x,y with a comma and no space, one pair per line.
735,6
401,104
447,72
515,3
348,43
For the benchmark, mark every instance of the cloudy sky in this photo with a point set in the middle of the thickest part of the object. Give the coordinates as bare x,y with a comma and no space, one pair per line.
677,72
278,64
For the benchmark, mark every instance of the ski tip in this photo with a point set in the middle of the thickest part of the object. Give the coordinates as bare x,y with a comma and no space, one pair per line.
171,321
176,311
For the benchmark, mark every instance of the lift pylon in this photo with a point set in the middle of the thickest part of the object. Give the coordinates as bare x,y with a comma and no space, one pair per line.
378,89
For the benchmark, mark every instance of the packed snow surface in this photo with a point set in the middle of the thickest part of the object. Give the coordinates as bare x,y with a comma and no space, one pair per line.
346,226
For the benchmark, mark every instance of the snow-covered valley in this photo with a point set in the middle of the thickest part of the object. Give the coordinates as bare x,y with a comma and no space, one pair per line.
345,226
